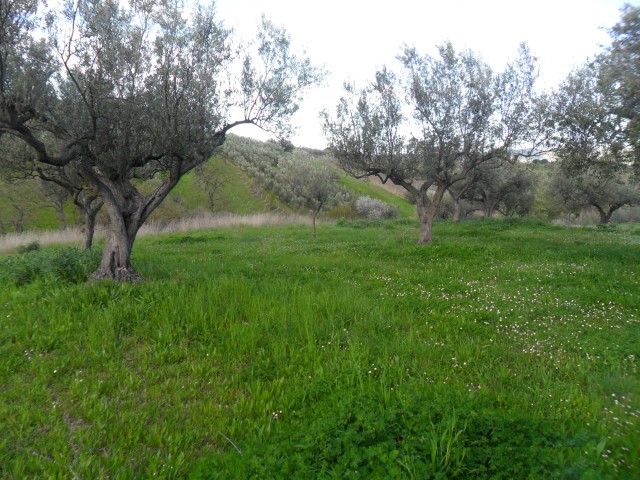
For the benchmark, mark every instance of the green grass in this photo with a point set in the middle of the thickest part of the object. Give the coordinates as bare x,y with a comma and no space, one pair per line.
503,350
189,197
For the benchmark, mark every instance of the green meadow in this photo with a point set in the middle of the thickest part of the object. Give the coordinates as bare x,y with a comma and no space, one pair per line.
505,350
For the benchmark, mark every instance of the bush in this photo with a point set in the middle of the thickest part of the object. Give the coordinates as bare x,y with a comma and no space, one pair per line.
372,208
57,264
343,211
29,247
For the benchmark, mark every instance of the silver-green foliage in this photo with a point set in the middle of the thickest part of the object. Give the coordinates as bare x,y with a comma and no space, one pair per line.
296,177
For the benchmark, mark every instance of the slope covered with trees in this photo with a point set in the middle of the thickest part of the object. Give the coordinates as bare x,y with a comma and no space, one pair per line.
246,176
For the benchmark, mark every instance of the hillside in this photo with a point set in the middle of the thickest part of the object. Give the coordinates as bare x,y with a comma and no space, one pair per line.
228,183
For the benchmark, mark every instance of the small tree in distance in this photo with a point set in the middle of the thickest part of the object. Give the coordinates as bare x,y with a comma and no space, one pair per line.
593,188
458,193
507,188
313,186
212,179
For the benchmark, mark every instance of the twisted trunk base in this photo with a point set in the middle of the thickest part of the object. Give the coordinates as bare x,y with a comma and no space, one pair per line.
425,231
116,258
128,275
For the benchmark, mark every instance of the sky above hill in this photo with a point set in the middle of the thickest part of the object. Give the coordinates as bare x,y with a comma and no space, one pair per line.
353,38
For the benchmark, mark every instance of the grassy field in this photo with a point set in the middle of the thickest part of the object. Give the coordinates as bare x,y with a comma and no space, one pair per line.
504,350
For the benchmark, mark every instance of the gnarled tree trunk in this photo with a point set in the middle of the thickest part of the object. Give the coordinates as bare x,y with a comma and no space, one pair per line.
89,230
457,210
127,209
426,227
115,263
605,215
489,208
89,206
427,209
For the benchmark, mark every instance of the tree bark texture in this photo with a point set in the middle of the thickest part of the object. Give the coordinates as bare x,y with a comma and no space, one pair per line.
89,229
427,209
426,224
123,205
605,215
115,263
457,210
426,213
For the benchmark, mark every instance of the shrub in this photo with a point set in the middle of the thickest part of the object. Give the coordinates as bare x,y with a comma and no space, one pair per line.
29,247
343,211
372,208
56,264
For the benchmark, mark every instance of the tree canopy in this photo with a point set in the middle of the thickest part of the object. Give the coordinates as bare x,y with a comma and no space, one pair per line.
593,153
596,115
620,75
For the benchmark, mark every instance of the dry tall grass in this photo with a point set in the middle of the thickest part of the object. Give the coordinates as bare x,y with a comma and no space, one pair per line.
73,236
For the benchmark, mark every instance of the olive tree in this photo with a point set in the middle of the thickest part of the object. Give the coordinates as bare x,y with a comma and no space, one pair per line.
313,186
84,196
134,90
212,179
595,188
504,187
458,193
462,115
619,75
592,145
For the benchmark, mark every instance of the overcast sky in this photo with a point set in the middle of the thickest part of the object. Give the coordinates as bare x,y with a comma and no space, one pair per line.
352,38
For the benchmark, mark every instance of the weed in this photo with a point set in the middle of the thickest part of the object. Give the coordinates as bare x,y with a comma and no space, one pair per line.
29,247
54,264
